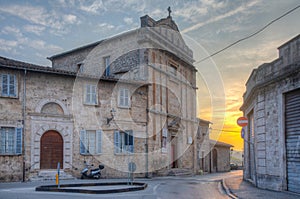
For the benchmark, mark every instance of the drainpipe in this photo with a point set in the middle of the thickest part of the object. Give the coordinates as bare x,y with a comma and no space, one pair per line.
147,133
24,118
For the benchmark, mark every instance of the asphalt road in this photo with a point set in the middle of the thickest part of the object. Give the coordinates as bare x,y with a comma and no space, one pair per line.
205,186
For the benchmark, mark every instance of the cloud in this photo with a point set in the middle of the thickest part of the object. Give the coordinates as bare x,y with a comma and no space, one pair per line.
96,7
128,20
106,26
34,29
237,10
37,15
8,45
70,19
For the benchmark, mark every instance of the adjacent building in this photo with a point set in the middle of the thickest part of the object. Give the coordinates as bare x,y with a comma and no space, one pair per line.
128,98
272,106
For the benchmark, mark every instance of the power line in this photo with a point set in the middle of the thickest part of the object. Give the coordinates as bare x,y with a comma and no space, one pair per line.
225,130
247,37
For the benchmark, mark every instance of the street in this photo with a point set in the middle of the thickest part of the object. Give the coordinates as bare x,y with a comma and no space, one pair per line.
204,186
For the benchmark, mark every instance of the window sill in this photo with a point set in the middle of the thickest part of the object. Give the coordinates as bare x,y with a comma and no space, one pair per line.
9,154
89,154
11,97
88,104
124,154
124,107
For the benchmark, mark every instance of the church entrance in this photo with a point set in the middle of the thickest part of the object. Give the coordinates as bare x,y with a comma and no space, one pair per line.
51,150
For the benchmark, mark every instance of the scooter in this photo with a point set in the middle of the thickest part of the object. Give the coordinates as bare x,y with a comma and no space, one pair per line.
93,174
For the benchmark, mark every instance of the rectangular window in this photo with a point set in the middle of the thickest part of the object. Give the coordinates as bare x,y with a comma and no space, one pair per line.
124,142
91,94
8,85
80,67
90,142
10,141
124,98
173,69
107,66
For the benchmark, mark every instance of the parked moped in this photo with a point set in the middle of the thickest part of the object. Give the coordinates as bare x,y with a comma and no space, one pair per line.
93,174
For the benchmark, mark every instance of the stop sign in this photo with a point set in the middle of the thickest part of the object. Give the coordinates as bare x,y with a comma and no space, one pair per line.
242,121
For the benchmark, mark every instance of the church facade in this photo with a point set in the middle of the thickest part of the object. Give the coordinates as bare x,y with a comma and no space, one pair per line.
128,98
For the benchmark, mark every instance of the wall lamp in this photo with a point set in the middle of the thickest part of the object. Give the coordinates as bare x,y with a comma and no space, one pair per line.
112,113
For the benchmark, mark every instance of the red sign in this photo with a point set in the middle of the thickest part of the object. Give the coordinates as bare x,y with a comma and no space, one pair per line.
242,121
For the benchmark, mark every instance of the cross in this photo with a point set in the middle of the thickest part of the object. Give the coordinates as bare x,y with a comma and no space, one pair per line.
169,10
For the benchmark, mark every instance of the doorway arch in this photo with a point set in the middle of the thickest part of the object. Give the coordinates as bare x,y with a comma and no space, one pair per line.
51,150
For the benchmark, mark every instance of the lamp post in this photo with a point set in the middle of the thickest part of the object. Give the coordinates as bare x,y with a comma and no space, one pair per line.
112,113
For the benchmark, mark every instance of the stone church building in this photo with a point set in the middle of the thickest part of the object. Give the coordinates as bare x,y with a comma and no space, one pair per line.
128,98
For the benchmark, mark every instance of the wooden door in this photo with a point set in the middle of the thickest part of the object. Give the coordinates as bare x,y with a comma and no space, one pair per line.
51,150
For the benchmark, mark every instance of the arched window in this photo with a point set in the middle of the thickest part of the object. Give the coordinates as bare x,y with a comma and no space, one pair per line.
52,108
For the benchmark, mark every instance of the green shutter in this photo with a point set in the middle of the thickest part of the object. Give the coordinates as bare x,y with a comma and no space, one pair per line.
99,141
18,145
117,141
83,142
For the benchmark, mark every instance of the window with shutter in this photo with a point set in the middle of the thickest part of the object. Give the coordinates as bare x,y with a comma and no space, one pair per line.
8,85
124,142
107,65
91,94
124,98
10,141
90,142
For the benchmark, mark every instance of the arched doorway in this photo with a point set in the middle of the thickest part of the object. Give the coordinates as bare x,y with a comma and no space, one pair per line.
51,150
215,160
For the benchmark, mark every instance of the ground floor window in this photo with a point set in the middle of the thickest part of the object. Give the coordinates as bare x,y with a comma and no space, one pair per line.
90,142
124,142
10,141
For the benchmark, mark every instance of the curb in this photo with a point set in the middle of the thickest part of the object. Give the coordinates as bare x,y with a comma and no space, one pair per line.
64,188
227,190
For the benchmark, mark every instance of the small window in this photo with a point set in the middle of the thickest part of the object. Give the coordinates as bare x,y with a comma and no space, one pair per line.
8,85
90,142
173,69
10,141
91,94
124,98
124,142
80,68
107,65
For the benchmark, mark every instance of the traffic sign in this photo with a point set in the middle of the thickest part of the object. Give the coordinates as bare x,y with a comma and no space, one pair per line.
242,121
243,133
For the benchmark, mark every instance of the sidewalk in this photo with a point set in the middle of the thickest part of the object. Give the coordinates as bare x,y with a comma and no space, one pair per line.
244,189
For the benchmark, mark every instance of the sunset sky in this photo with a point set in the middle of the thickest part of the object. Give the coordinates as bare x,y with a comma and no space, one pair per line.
33,30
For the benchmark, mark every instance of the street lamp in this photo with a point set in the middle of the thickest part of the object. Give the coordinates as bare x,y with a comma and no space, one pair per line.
112,113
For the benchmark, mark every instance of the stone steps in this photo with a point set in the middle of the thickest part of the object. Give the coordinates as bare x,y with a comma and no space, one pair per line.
51,175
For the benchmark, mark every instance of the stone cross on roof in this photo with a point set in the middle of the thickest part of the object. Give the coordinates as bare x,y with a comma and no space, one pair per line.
169,10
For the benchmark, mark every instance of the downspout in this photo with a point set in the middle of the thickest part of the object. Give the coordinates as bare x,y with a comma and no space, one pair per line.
147,133
24,118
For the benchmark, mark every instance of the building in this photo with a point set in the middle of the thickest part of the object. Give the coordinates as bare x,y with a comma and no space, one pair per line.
128,98
213,156
272,106
219,156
